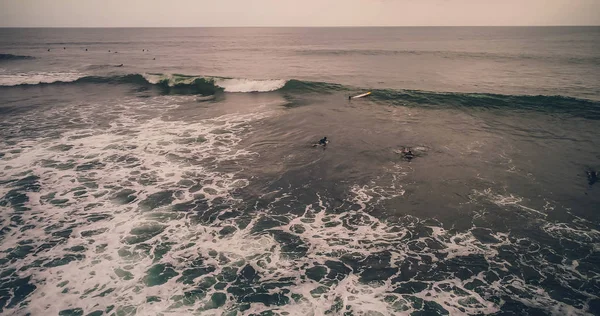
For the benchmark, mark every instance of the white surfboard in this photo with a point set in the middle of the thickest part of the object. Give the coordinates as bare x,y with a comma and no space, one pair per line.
319,144
361,95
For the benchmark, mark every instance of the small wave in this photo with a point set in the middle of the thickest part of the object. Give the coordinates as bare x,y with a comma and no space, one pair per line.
312,86
200,85
33,78
173,83
542,103
227,84
7,57
167,83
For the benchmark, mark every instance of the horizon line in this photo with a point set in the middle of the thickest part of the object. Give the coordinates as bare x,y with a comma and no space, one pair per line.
306,26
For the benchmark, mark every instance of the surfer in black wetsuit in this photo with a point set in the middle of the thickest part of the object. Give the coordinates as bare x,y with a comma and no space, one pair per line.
408,154
323,141
592,177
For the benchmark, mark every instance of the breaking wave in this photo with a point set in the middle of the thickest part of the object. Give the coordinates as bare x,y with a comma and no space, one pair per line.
200,85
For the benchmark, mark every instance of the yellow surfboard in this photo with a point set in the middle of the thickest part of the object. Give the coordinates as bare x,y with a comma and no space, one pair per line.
361,95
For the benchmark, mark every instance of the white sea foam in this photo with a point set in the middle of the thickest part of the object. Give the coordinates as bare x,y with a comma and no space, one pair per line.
228,84
14,79
153,155
249,85
145,156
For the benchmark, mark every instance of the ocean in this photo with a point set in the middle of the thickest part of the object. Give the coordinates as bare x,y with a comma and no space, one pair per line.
172,171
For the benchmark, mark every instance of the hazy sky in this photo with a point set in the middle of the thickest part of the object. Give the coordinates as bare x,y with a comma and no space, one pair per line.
159,13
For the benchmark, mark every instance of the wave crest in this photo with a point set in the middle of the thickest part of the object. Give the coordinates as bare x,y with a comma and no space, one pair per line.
168,83
248,85
34,78
227,84
199,85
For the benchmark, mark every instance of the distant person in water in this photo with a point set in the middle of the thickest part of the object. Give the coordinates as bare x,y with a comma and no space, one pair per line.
408,154
323,141
592,177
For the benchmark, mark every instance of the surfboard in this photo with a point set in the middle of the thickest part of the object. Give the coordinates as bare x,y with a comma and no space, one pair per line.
319,144
361,95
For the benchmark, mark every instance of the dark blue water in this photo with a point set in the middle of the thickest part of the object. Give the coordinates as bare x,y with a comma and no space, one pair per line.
175,174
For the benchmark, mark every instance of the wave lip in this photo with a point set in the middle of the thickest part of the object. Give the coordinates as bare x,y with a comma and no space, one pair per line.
7,57
227,84
168,83
249,85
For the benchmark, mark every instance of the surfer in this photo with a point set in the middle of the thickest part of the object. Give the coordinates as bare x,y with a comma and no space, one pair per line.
121,65
592,177
408,154
322,142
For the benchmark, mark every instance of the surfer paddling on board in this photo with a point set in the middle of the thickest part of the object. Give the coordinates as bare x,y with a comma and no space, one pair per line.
408,154
322,142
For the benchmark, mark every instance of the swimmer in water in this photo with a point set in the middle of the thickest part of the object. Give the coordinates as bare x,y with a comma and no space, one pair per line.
592,177
322,142
408,154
